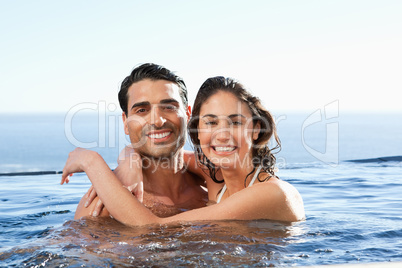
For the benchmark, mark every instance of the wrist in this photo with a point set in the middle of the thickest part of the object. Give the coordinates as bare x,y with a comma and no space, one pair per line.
89,159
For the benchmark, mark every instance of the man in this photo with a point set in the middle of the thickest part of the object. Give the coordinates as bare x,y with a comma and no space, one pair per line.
155,116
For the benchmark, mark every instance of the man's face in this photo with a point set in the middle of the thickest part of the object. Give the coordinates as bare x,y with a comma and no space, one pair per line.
157,119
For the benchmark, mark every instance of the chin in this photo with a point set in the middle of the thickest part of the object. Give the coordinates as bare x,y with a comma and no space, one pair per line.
225,164
160,152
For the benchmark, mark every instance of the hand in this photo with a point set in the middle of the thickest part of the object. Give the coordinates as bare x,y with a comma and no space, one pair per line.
76,162
90,195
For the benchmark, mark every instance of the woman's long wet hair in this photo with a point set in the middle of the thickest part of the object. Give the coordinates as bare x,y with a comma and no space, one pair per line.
261,153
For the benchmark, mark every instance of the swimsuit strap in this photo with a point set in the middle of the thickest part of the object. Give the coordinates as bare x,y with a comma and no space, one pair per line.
221,194
255,176
251,183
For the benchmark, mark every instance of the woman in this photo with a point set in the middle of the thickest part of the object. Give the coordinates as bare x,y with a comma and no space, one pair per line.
230,130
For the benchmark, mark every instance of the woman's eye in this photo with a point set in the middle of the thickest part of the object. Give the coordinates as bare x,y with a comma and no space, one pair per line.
236,123
210,123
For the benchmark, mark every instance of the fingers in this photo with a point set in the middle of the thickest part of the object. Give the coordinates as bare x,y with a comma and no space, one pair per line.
65,178
73,163
91,194
89,191
138,190
98,208
68,177
131,188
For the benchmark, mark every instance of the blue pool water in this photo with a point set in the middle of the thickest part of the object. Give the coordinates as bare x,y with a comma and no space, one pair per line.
353,208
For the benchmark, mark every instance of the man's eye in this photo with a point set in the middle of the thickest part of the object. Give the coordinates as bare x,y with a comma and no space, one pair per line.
141,110
170,107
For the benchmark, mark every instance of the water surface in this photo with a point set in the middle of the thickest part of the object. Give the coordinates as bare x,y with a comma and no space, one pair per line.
353,208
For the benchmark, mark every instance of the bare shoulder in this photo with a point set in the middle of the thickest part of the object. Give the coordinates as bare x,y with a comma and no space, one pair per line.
281,187
282,200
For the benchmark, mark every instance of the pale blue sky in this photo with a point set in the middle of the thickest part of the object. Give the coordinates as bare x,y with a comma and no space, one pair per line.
295,55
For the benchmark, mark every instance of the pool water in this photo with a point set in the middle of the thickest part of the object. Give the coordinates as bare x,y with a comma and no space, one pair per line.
350,219
353,215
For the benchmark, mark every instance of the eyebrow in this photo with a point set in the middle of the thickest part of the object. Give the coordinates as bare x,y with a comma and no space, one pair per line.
139,104
209,115
236,115
147,103
165,101
230,116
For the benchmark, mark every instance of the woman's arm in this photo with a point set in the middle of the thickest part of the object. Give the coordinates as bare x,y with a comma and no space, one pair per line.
271,200
129,173
106,184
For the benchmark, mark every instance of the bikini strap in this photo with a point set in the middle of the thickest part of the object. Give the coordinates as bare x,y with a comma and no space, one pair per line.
221,194
251,183
255,176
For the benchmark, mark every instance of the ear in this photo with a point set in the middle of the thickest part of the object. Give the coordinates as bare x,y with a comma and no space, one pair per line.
256,130
124,117
188,113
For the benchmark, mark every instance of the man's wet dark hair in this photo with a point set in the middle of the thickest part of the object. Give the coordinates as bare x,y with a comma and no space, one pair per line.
153,72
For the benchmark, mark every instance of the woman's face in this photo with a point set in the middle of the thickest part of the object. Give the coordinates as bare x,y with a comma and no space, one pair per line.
225,131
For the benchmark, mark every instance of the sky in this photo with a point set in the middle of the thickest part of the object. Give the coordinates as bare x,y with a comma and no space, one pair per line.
294,55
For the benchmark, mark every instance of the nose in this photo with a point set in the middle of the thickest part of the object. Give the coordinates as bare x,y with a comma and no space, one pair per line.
157,118
223,133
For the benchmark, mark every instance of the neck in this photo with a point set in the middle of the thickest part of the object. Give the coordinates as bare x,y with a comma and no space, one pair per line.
164,176
234,178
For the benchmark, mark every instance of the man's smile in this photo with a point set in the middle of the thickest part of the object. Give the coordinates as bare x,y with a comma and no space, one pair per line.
159,135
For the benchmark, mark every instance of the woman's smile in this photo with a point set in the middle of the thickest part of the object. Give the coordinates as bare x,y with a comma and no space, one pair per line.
225,130
224,149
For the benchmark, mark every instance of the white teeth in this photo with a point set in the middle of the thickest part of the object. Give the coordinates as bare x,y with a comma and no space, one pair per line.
159,135
224,149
